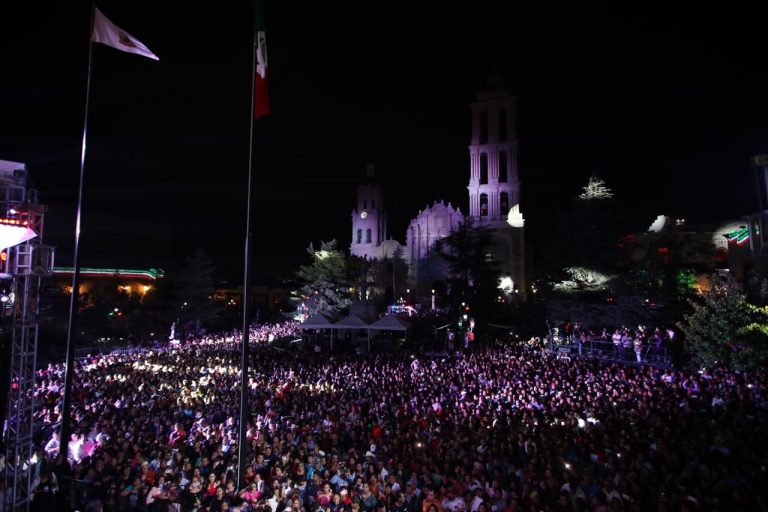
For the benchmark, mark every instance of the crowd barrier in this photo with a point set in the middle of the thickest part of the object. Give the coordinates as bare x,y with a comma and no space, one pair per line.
606,351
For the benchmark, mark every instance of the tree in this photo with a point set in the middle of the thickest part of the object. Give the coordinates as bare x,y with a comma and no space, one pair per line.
359,274
192,293
390,277
324,281
472,272
596,189
723,328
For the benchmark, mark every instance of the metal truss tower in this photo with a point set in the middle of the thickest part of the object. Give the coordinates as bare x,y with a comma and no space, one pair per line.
22,266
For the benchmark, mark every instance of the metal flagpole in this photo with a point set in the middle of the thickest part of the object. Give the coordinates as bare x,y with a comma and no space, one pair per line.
242,443
73,300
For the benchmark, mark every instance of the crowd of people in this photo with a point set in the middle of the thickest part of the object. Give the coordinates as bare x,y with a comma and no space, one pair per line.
266,333
621,342
489,430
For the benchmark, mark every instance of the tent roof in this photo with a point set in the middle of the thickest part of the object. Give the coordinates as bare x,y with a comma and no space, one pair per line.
350,322
388,323
317,321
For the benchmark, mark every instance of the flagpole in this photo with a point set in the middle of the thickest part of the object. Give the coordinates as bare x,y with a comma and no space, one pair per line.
242,443
66,407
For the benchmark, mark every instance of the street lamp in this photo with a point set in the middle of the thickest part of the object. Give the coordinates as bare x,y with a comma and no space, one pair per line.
433,299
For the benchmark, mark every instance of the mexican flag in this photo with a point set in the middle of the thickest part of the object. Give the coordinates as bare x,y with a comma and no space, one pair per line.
106,32
261,85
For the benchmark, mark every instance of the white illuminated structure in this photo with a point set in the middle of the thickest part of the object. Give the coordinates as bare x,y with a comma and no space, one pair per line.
658,224
430,225
515,218
12,233
506,285
582,278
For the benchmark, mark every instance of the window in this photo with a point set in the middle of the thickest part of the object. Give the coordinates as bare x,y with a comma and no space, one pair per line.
504,203
483,205
483,168
483,127
359,236
373,204
502,125
368,235
502,166
365,204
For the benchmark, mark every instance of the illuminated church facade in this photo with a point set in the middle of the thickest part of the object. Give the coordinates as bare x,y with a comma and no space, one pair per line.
494,195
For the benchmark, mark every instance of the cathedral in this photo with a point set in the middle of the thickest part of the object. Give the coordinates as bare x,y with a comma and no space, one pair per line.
494,195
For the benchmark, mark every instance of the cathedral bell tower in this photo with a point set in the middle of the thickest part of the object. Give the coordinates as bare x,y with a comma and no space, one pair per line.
494,186
369,221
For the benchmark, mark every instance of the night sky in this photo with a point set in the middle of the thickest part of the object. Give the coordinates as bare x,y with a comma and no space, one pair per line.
667,106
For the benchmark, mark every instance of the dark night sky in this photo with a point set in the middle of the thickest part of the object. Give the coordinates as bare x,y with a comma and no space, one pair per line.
667,106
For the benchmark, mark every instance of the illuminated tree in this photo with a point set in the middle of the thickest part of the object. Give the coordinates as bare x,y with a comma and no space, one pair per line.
596,189
324,281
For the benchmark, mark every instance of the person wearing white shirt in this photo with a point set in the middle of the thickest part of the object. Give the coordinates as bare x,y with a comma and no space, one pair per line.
451,501
52,446
156,490
477,500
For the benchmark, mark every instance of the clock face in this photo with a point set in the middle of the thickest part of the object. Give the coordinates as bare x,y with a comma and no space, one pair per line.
363,215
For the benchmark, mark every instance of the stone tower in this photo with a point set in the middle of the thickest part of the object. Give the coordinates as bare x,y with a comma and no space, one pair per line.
494,184
369,221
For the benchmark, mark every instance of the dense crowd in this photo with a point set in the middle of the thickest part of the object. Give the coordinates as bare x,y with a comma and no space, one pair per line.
496,430
265,333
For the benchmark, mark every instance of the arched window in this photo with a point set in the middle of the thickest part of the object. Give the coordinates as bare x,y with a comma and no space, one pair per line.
483,127
502,125
483,205
502,166
368,235
504,203
359,236
483,168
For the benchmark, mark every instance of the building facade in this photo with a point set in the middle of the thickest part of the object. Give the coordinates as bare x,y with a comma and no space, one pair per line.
494,200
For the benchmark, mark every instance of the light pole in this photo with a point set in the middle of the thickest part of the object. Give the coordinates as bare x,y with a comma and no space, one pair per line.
433,299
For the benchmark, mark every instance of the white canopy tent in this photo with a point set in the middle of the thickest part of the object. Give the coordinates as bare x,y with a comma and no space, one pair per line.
354,323
351,322
317,321
388,323
392,324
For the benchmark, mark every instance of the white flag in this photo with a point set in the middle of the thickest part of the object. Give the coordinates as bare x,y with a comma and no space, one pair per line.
106,32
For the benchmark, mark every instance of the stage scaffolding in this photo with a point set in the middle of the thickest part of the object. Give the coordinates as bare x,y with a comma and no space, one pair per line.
22,265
